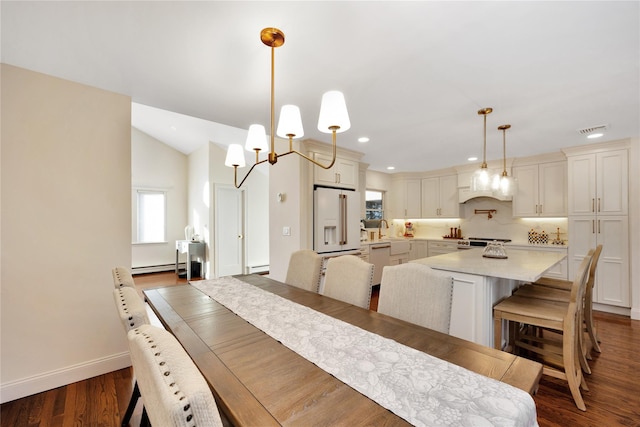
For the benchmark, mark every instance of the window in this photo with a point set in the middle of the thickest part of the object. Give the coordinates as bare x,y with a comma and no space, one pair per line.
374,205
151,220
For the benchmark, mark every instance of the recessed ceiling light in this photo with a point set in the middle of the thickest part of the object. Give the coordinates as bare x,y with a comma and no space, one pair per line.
594,135
363,139
390,168
472,159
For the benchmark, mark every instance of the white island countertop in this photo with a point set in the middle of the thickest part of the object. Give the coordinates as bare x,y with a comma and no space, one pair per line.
523,265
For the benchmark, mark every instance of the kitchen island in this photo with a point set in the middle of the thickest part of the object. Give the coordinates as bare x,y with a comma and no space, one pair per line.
479,283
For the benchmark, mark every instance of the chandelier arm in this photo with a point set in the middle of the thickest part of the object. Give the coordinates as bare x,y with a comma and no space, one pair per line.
235,173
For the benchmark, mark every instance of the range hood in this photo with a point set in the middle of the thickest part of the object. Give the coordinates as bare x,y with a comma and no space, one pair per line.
465,194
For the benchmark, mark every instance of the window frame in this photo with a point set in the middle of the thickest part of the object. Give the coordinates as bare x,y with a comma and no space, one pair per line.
138,193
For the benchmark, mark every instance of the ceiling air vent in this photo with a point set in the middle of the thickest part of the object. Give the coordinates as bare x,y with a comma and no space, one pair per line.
593,129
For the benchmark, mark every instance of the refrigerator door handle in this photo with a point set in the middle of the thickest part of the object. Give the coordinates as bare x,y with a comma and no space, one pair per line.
343,219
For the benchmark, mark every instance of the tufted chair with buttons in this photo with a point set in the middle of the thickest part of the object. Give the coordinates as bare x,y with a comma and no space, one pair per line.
132,313
122,277
174,391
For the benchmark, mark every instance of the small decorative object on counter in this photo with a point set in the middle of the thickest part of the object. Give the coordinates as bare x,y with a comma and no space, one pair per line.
538,238
454,233
408,229
558,240
494,250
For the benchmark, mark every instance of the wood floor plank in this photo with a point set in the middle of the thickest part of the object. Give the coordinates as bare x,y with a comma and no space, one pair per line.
613,399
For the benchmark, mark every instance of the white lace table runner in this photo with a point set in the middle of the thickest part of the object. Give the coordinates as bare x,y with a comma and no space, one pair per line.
422,389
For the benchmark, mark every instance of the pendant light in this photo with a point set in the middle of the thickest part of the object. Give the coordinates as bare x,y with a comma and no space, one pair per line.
480,180
504,185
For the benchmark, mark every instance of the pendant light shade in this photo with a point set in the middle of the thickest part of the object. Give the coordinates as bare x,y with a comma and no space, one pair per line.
256,138
480,180
235,156
333,113
504,185
290,123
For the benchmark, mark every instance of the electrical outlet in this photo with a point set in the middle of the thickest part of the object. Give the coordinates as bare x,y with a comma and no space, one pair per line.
286,231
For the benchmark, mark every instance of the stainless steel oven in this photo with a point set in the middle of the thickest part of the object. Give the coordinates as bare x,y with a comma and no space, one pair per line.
475,242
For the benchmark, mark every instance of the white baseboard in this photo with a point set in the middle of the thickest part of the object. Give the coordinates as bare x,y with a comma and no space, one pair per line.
49,380
157,268
612,309
635,313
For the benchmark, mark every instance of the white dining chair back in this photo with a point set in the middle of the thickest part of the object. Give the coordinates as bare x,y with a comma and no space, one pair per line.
173,390
349,279
122,277
131,308
304,270
417,294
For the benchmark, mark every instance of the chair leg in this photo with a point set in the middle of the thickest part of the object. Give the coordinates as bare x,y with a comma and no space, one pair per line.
132,405
573,372
144,421
591,329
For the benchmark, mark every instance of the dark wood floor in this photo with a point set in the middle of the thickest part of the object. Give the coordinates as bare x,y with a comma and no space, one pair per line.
613,399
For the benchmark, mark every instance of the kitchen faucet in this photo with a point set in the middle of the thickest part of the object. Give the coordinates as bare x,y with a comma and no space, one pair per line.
380,235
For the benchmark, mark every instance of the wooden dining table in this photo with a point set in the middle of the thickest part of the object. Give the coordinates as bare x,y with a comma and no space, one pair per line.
257,381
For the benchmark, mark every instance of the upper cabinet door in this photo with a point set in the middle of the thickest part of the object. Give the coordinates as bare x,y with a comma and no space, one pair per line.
612,183
343,173
598,183
552,189
449,206
525,201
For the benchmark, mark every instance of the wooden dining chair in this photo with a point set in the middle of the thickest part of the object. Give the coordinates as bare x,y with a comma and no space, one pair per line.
173,390
349,279
132,313
550,288
304,270
122,277
417,294
560,290
534,316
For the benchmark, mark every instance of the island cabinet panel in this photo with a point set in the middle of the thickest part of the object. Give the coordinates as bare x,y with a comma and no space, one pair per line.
472,295
418,249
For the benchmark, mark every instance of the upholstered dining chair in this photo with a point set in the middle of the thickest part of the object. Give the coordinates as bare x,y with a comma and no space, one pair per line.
173,390
122,277
304,270
560,290
535,317
349,279
132,313
417,294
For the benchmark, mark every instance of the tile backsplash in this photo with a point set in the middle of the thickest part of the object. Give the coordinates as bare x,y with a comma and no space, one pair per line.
502,225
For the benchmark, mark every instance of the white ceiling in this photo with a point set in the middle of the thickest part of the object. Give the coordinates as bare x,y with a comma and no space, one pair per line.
414,74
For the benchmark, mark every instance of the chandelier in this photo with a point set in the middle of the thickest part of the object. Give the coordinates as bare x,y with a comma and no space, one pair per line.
333,119
480,180
503,184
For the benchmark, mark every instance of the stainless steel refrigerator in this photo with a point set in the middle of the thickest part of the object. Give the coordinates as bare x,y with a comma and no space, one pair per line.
336,220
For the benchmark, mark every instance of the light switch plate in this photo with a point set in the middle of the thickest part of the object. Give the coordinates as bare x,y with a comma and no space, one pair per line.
286,231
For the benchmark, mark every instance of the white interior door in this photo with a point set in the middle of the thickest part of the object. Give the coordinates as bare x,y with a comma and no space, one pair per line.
229,238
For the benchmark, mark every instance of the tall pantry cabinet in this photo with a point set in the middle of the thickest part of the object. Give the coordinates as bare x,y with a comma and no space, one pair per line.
598,178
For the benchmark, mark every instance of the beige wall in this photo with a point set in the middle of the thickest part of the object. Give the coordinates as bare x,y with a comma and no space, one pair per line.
66,185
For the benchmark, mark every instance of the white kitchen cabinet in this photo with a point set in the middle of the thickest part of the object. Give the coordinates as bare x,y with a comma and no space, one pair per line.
439,247
406,199
379,256
612,273
598,183
598,214
541,190
343,173
440,197
418,249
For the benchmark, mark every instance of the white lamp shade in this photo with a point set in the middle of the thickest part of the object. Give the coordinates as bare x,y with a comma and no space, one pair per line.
256,139
235,156
290,122
333,112
480,180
